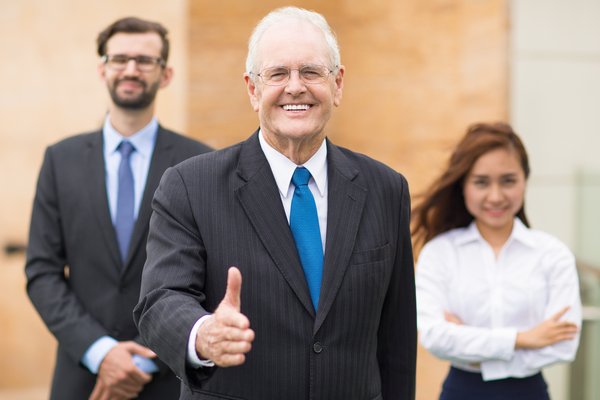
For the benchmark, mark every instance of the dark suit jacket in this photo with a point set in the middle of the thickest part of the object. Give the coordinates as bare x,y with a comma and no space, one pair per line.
222,209
71,227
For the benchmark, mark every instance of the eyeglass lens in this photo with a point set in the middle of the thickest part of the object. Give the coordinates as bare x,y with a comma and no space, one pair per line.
308,73
143,63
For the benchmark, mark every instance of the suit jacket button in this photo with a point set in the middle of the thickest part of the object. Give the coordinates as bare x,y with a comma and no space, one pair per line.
317,347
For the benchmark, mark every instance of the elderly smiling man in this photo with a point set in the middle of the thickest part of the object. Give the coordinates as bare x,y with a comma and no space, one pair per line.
319,234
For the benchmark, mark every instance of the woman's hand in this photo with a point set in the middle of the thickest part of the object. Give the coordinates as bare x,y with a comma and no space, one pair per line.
448,316
548,332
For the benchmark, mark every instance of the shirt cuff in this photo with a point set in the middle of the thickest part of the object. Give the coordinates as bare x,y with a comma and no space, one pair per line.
94,355
499,368
192,356
506,339
145,364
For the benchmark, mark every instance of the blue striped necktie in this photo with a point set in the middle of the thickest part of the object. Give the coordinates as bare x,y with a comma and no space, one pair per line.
304,223
125,196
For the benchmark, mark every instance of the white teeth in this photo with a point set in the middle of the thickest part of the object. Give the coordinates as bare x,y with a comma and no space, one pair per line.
295,107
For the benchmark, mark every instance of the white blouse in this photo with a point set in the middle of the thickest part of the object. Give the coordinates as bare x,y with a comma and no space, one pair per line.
533,277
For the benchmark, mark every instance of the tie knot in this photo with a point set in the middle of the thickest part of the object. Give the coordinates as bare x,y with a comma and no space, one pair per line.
300,177
126,148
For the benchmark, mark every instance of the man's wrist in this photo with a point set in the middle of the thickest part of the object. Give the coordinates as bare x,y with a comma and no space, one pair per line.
95,354
193,358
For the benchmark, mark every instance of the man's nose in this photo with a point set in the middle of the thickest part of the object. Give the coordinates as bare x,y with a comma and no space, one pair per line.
295,83
131,67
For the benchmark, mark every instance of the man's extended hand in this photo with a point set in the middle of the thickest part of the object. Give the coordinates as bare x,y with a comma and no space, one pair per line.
226,336
118,377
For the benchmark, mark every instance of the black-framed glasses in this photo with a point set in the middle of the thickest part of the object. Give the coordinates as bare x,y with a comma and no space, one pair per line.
118,62
309,74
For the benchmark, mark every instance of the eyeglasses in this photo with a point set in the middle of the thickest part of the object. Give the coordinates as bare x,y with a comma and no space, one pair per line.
118,62
310,74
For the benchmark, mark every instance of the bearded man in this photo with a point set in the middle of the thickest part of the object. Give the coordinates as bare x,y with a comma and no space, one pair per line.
87,243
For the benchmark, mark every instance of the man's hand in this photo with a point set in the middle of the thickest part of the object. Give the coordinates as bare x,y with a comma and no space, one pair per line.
226,336
118,377
548,332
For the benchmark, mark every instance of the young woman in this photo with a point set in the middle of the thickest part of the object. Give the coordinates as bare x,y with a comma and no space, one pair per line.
497,299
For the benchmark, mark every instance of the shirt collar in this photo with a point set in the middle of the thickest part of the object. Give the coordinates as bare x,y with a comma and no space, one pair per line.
143,140
522,233
519,233
283,168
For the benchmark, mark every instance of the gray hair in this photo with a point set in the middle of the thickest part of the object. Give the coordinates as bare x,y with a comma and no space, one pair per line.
284,14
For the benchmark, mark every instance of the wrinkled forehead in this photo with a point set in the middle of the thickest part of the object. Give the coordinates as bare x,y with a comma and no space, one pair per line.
293,43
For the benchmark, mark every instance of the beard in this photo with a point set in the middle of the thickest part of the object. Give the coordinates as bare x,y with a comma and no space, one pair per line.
143,100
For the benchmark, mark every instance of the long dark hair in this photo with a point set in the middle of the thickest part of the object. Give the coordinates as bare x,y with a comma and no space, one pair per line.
442,207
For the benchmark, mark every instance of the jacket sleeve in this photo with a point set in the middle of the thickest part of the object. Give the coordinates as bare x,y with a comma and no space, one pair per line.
173,279
397,349
46,270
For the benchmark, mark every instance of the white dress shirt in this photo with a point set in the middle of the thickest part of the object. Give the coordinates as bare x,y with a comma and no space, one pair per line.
283,169
533,277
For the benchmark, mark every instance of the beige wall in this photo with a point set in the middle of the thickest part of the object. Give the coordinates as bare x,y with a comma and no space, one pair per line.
417,72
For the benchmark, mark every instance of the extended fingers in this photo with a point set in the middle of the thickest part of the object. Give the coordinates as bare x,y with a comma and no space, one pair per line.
562,330
568,327
560,313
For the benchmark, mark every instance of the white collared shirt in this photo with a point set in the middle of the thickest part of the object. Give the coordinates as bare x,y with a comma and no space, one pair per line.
283,169
533,277
143,141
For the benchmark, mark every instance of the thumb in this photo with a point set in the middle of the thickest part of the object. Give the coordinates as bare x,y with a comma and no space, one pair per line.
559,314
234,288
136,348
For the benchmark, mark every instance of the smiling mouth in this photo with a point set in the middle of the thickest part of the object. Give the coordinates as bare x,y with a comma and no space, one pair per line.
496,211
296,107
130,83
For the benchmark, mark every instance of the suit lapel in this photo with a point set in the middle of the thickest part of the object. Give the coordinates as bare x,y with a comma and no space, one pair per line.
346,201
96,188
161,160
260,200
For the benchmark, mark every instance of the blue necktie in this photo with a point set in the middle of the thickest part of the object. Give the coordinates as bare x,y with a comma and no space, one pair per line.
304,223
125,220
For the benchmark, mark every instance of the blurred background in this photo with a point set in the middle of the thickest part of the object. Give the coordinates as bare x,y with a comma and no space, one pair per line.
417,73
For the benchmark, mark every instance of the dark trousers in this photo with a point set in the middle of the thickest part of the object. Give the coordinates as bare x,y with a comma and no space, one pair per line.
463,385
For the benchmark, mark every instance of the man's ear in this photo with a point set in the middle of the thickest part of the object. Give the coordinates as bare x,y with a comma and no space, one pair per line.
166,77
339,86
253,91
102,71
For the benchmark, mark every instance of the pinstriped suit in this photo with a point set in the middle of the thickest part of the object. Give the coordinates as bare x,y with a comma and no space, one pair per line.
71,226
222,209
